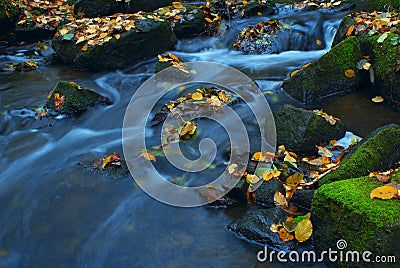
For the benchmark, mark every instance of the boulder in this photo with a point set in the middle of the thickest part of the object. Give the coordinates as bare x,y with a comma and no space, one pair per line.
98,8
191,24
8,16
265,193
379,151
384,57
327,76
259,8
301,130
76,98
147,39
255,226
380,5
303,199
343,210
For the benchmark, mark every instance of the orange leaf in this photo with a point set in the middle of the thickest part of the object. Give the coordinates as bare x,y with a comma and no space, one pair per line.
285,235
149,156
350,30
349,73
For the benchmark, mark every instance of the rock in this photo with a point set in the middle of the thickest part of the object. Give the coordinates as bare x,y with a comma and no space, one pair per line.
326,76
259,8
98,8
301,130
191,24
303,199
255,226
265,193
344,210
8,16
77,98
384,58
379,151
146,40
380,5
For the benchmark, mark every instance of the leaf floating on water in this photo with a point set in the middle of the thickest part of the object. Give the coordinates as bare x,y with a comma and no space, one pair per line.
149,156
377,99
111,160
232,168
319,43
303,230
384,192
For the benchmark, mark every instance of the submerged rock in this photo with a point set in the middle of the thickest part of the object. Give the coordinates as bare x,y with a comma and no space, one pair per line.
301,130
74,99
327,76
379,151
95,8
343,210
141,39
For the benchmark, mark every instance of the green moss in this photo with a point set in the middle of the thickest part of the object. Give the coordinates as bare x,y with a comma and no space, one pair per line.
381,5
77,98
378,151
326,76
190,28
344,210
8,15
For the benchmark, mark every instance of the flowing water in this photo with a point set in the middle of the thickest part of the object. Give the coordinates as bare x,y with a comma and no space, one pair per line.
57,213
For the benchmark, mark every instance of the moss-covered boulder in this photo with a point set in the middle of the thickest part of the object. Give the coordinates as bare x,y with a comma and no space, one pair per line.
74,99
344,210
259,8
380,5
255,226
191,24
265,193
379,151
8,16
98,8
301,130
147,39
327,76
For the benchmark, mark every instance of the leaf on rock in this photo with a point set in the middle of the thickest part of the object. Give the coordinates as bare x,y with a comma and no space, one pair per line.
290,225
275,227
188,128
303,230
280,199
197,96
58,101
149,156
349,73
382,37
68,36
378,99
294,179
285,235
252,179
384,192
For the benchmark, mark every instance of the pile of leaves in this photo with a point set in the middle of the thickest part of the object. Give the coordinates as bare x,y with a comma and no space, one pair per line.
97,31
257,39
207,98
177,13
172,60
391,189
112,160
301,226
375,23
312,5
43,14
22,66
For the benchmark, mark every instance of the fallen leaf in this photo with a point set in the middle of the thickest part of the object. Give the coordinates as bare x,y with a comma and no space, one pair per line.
384,192
294,179
269,174
58,101
197,96
382,37
383,178
350,30
378,99
232,168
211,187
303,230
188,128
149,156
280,199
323,151
319,43
290,225
349,73
252,179
275,227
285,235
177,5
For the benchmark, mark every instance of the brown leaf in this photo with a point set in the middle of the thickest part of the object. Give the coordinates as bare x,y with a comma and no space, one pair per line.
280,199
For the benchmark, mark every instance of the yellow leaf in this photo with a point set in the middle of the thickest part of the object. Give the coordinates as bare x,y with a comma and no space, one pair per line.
275,227
303,230
173,57
350,30
106,161
268,175
80,40
384,192
280,199
208,20
377,99
177,5
85,47
232,168
102,35
188,128
253,179
117,36
259,13
349,73
149,156
197,96
222,96
294,179
319,43
305,66
281,148
294,72
211,187
289,158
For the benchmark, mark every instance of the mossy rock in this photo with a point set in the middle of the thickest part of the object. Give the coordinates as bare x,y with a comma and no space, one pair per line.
192,25
8,16
154,37
98,8
379,151
344,210
77,98
326,76
380,5
301,130
257,9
